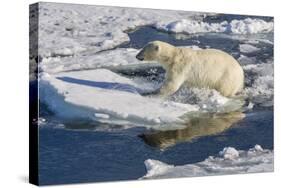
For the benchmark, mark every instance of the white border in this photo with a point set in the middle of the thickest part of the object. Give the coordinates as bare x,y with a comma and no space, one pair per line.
14,94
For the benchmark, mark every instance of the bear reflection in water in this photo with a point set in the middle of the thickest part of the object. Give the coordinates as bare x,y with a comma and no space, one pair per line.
209,124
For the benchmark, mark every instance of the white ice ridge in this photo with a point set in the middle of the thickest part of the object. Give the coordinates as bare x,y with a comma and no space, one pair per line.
229,161
248,48
67,29
87,94
105,59
246,26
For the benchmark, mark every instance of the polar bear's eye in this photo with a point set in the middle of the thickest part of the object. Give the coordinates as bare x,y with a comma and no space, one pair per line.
156,48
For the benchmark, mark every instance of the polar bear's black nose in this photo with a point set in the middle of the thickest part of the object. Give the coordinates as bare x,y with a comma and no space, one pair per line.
140,57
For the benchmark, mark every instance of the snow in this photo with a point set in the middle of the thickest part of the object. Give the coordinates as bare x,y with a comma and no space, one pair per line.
84,94
117,57
229,161
69,29
250,26
190,26
246,26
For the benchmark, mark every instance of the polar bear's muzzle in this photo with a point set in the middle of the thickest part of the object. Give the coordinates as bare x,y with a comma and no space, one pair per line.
140,56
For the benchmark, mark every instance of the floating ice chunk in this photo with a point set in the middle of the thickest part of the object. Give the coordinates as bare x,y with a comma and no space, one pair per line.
79,94
248,48
231,161
250,26
229,153
244,60
250,105
155,167
191,26
258,148
246,26
103,116
41,121
266,41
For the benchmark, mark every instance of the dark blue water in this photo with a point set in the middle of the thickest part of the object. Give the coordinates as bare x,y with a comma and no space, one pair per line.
80,153
225,42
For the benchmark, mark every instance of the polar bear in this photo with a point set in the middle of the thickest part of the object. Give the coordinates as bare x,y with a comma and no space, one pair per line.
204,68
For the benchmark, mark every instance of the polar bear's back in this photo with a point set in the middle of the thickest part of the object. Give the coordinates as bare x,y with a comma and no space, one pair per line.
213,69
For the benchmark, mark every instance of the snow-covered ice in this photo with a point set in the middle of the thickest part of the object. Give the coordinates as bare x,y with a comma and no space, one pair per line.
229,161
88,93
191,26
68,29
105,59
229,153
248,48
246,26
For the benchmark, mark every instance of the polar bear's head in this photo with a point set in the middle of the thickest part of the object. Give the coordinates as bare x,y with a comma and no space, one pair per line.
155,51
149,52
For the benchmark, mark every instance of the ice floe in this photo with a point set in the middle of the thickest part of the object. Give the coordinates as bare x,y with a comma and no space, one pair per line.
248,48
101,94
84,61
229,161
244,60
246,26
